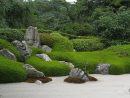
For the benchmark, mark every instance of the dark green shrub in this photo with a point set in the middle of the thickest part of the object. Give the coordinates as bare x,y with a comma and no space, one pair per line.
52,68
11,34
11,71
37,51
61,43
46,39
91,44
7,45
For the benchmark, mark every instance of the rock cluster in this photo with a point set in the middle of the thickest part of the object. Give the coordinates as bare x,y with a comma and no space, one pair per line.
6,53
102,69
23,48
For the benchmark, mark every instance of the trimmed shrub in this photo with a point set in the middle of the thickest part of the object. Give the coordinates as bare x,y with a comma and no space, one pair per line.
46,39
52,68
11,34
61,43
91,44
7,45
11,71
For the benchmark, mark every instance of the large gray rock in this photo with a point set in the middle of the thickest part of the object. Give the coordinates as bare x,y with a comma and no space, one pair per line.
6,53
46,48
23,48
78,73
44,57
71,66
32,37
102,69
32,72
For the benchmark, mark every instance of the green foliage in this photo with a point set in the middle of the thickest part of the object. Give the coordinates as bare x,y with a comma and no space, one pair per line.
52,68
61,43
5,44
11,71
11,34
116,56
87,44
46,39
36,51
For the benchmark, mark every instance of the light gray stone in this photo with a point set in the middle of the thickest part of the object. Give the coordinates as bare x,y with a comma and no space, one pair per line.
38,82
78,73
32,37
44,57
46,48
102,69
71,66
32,72
6,53
23,48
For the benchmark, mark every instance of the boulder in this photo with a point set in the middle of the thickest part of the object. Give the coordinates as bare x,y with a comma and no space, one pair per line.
38,82
44,57
46,48
6,53
32,72
102,69
71,66
23,48
32,37
78,73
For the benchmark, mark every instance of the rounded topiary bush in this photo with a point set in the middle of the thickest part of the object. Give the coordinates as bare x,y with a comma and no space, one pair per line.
61,43
11,71
52,68
46,39
91,44
11,34
7,45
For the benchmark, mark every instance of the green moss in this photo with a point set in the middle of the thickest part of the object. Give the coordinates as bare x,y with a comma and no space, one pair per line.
37,51
11,71
7,45
52,68
120,63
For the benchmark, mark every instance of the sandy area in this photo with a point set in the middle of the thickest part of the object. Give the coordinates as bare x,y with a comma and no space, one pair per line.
108,86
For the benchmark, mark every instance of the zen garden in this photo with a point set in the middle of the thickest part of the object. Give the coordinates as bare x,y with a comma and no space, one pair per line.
64,48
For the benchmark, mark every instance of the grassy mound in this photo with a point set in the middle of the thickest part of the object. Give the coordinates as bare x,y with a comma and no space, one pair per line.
11,71
117,56
9,46
52,68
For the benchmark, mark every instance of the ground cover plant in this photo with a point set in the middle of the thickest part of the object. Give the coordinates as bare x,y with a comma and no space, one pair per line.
51,68
7,45
11,71
119,60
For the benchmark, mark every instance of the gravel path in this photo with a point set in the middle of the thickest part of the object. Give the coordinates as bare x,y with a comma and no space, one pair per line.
108,86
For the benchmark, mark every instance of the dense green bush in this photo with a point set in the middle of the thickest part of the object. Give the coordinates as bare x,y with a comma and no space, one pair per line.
46,39
61,43
117,56
52,68
91,44
11,71
11,34
7,45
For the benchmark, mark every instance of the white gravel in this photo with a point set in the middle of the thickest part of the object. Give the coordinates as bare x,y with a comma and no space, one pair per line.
108,86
